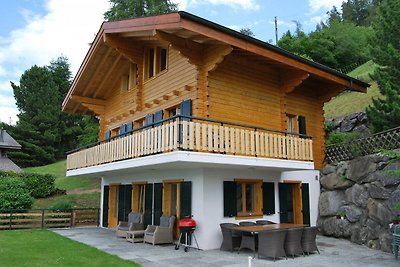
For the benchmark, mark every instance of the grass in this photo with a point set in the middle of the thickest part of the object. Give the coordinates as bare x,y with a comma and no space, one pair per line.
82,192
45,248
84,200
68,183
349,102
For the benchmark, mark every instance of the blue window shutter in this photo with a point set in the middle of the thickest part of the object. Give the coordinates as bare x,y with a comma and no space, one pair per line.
108,134
158,116
122,130
149,119
129,127
186,108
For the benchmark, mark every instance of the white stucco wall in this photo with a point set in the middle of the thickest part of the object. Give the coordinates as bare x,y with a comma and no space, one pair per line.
207,193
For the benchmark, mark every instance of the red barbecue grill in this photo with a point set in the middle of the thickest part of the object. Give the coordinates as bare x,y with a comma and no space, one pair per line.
186,227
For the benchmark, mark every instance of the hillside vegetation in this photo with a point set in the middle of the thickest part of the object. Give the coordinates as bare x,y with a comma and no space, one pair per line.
349,102
82,192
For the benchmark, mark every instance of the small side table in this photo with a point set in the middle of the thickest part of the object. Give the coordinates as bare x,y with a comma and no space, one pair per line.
135,236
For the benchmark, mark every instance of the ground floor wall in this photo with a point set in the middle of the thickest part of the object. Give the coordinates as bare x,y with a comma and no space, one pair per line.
207,194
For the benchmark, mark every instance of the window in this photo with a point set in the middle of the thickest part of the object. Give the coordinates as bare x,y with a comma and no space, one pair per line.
125,83
138,197
139,123
296,124
156,61
291,125
248,198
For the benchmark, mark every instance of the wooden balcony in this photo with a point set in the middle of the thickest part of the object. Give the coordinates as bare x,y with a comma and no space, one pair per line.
194,134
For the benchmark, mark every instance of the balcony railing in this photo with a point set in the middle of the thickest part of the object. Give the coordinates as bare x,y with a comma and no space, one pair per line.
194,134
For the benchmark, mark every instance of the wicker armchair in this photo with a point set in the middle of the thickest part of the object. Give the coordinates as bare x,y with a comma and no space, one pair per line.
271,244
230,238
162,233
249,241
264,222
134,223
293,242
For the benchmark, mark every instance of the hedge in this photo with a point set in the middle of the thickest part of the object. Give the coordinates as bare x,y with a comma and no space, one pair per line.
14,194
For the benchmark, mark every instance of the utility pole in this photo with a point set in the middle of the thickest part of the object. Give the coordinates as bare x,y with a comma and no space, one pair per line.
276,31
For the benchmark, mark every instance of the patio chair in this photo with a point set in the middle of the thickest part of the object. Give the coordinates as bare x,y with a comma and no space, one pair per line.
271,244
264,222
308,239
293,242
396,245
134,223
249,241
230,238
160,234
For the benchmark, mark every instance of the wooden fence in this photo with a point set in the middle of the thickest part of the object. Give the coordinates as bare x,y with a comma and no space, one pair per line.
45,218
195,134
387,140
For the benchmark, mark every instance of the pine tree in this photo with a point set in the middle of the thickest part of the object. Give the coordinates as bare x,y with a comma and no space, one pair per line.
126,9
385,113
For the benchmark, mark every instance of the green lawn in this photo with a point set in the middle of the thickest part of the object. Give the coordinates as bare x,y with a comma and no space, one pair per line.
350,102
84,200
45,248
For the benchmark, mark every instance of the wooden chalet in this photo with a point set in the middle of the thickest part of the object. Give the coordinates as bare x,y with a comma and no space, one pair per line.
194,115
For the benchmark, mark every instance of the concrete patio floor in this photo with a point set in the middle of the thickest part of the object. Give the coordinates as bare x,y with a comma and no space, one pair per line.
334,252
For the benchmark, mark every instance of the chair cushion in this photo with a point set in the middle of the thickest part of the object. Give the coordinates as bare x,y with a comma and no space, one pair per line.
150,233
122,228
164,221
134,217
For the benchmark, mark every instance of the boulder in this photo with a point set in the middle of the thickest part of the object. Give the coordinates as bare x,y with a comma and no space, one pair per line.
362,117
363,130
388,177
359,168
328,169
394,201
342,168
353,213
333,181
348,124
358,234
378,191
357,194
385,242
374,229
379,212
372,177
336,227
330,202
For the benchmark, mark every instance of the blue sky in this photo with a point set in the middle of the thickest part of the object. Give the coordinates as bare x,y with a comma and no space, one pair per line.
33,32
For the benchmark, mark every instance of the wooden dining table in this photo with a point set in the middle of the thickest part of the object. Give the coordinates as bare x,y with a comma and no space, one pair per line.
255,229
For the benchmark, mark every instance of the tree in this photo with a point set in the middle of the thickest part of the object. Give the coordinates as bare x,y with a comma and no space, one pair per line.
125,9
385,113
360,12
247,31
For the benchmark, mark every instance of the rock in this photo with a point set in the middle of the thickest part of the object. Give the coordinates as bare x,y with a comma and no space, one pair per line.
379,212
374,244
353,213
378,191
393,201
358,234
372,177
363,130
336,122
336,227
374,229
328,169
330,202
362,117
333,181
360,167
342,168
357,194
352,116
385,242
381,165
388,177
348,125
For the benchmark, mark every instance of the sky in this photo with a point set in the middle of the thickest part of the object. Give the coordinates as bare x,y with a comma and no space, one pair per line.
35,32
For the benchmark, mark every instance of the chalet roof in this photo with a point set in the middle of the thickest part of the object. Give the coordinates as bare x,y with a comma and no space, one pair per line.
113,43
7,164
7,142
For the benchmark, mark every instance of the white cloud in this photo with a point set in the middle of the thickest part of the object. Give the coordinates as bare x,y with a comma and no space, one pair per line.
244,4
7,101
8,114
326,5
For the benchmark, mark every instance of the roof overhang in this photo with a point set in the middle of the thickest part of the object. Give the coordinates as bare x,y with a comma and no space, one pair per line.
102,56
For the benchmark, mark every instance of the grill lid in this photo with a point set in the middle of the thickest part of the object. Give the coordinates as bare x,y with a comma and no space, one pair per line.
187,222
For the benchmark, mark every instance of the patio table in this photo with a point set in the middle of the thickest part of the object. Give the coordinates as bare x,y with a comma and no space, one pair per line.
255,229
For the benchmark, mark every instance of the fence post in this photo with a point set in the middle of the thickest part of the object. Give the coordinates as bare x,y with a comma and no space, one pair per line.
10,220
98,218
42,218
72,218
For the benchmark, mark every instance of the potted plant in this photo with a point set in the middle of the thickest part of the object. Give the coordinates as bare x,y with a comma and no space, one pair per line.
341,215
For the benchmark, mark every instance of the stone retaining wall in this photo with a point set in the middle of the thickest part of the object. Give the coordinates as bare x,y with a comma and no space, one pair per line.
367,192
355,122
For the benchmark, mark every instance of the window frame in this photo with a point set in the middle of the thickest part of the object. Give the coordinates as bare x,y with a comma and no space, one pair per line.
153,62
258,198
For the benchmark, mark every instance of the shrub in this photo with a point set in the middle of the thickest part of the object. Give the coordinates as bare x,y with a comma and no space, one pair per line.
339,137
14,194
61,205
39,185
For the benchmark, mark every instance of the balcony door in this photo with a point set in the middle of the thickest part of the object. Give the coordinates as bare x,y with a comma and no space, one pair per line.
112,205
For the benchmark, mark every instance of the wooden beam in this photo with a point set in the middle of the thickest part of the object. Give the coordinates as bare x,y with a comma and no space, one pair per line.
97,109
214,55
98,68
131,51
291,79
189,49
107,75
88,100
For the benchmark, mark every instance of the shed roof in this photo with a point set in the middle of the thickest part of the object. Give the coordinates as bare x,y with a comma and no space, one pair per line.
7,142
7,164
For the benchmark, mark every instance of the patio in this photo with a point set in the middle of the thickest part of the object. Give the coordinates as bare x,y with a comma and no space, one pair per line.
334,252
